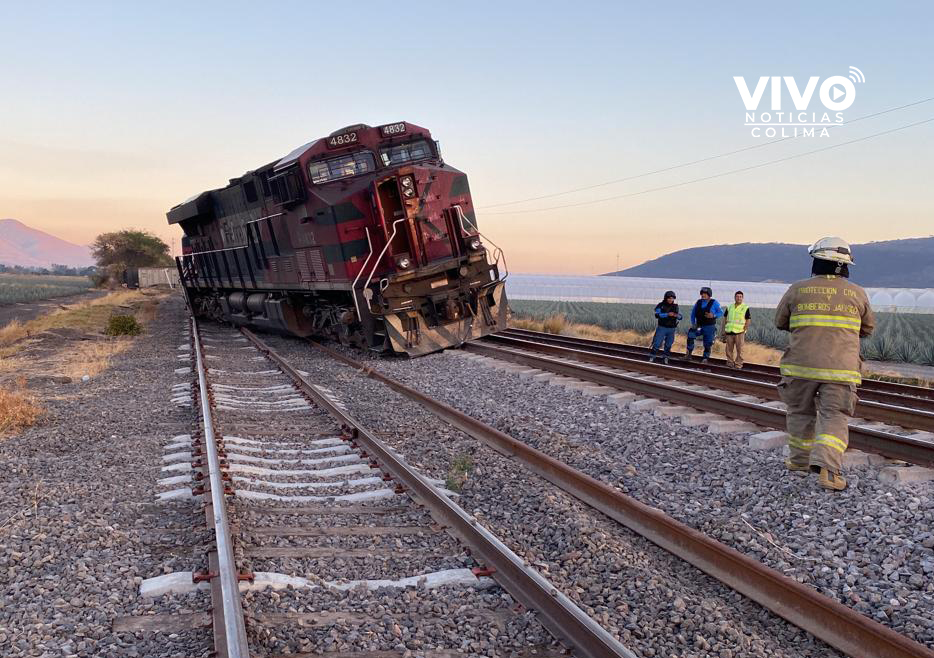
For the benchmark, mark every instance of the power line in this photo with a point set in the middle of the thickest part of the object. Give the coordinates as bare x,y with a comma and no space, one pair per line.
719,175
694,162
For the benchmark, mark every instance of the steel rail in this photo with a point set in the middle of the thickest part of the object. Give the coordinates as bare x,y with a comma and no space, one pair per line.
561,616
875,389
227,572
887,444
734,380
828,620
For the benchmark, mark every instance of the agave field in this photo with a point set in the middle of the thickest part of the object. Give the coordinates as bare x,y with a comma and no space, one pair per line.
34,287
904,337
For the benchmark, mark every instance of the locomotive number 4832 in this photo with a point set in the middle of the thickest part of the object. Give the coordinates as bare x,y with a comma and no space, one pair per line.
392,129
342,139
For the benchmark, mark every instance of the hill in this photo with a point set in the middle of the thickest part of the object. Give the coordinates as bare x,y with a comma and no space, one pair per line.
29,247
893,263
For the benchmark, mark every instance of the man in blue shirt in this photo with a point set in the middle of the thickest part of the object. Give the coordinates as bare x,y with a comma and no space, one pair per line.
704,322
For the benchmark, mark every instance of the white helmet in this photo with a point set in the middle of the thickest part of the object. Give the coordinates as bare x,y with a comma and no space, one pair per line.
835,249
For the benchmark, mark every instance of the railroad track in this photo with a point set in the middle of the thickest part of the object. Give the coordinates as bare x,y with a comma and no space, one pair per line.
871,389
901,426
293,484
828,620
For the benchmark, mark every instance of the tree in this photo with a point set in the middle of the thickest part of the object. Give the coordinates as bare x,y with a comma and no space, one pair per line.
129,249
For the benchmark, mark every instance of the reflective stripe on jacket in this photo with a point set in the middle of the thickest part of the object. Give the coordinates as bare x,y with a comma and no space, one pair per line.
826,316
736,318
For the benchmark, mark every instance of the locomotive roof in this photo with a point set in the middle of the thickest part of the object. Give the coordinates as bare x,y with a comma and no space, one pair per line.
295,154
199,204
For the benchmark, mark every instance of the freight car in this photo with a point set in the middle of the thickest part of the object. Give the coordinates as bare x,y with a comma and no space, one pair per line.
365,235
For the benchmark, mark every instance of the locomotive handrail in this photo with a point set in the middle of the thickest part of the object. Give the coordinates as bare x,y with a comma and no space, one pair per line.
498,254
353,286
217,251
379,258
253,221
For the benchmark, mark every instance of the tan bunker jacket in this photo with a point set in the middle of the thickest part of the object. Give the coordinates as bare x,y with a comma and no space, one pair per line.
826,316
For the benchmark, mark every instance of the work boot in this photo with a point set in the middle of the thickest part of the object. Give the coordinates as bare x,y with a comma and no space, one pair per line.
830,480
687,356
652,359
704,360
665,360
791,466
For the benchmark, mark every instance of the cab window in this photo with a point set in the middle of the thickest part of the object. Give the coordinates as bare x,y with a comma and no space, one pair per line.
343,166
402,153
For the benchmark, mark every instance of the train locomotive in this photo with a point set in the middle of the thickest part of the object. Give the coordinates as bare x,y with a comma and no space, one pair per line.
366,236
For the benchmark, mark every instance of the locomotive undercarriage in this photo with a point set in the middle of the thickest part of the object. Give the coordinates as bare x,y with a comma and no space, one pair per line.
407,314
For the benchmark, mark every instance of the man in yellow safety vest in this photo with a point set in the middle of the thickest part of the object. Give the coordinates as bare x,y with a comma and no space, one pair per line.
821,368
735,323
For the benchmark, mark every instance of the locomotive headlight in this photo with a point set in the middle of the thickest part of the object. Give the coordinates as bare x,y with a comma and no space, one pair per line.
408,192
474,243
408,186
403,262
407,181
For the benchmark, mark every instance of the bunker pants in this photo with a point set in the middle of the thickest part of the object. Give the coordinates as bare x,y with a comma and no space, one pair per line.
817,421
735,342
708,333
664,335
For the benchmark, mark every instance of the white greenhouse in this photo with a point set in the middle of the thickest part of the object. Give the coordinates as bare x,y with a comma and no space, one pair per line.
649,291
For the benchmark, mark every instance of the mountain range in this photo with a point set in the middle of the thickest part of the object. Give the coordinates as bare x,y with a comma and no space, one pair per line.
890,264
29,247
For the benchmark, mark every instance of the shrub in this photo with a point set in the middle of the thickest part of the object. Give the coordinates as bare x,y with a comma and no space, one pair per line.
123,325
18,410
556,323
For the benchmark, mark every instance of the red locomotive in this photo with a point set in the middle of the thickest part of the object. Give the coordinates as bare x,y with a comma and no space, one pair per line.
366,236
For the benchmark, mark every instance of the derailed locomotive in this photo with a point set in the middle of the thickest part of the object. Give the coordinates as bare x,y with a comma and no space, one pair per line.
366,236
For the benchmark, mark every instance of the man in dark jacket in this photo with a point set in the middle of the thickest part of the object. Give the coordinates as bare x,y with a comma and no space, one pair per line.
704,322
667,313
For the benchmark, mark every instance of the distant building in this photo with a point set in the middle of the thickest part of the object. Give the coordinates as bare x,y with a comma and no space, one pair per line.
150,277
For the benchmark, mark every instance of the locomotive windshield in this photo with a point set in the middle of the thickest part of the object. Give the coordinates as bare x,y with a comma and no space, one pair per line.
402,153
342,166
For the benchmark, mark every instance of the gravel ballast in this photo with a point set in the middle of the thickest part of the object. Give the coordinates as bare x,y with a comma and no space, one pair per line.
386,551
80,527
656,604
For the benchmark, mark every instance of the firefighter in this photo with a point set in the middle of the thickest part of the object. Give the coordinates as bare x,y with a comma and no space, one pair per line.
821,368
704,322
736,318
666,311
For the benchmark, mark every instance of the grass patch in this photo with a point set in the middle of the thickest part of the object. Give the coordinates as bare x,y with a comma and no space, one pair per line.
460,469
92,357
107,321
91,316
13,332
18,410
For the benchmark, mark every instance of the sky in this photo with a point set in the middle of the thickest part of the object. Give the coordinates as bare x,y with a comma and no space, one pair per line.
115,112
